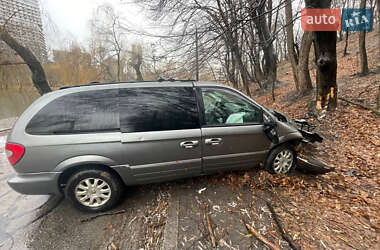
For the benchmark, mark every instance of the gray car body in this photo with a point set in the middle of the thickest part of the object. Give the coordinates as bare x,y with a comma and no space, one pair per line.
138,158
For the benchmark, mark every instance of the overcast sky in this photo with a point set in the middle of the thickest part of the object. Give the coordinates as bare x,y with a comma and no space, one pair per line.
71,17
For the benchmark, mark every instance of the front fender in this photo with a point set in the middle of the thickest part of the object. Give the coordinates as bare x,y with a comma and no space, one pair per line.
290,137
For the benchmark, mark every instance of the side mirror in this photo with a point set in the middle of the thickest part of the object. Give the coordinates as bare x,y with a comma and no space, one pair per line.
270,123
270,130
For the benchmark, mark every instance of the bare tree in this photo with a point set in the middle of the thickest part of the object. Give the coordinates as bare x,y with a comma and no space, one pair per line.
137,60
266,41
235,34
108,34
300,60
304,80
346,2
325,59
38,73
378,30
362,50
290,41
346,44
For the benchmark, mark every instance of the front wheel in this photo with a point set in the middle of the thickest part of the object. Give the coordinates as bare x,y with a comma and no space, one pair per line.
94,190
281,160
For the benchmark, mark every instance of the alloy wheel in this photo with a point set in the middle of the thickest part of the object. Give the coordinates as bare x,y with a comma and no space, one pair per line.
93,192
283,161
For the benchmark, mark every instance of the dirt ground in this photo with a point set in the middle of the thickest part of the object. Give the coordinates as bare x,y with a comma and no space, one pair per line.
339,209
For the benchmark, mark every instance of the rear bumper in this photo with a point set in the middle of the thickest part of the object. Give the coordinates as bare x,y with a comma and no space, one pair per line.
40,183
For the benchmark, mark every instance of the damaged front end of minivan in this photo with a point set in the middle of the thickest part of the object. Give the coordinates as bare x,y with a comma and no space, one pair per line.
279,125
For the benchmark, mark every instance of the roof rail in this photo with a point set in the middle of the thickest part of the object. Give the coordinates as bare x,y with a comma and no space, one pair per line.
133,81
171,79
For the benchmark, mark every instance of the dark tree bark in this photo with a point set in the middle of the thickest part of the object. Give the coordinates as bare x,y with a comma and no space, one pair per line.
227,19
230,68
139,76
267,45
255,62
269,8
341,31
325,51
290,41
137,60
378,30
346,2
346,44
340,37
38,73
325,59
378,99
305,84
237,49
256,74
117,48
285,46
363,53
230,65
242,70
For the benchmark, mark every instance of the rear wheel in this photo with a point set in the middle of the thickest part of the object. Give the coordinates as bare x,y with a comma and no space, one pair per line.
281,160
94,190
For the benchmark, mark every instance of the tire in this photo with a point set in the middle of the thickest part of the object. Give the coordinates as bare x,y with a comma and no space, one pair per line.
94,190
281,160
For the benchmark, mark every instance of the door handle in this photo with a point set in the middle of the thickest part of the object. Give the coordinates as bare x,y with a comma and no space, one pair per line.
213,141
189,144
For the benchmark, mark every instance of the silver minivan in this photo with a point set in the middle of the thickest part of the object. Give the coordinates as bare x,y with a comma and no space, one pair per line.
91,141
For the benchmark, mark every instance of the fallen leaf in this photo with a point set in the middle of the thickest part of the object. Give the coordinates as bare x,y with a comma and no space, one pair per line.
114,246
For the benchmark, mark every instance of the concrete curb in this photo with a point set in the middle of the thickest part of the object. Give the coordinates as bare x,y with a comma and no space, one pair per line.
171,228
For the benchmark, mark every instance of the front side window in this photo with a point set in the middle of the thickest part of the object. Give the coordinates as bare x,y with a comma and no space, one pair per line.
82,112
223,107
158,109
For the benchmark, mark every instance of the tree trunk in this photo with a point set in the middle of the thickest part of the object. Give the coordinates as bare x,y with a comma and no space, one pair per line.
118,66
269,9
304,80
363,53
242,70
378,99
290,41
257,66
137,60
230,68
267,44
325,50
233,77
325,59
346,44
139,76
38,73
378,33
285,46
340,38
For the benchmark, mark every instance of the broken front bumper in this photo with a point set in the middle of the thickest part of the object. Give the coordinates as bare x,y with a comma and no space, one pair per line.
304,128
313,166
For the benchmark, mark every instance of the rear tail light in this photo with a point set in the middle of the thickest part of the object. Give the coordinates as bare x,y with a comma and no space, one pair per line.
14,152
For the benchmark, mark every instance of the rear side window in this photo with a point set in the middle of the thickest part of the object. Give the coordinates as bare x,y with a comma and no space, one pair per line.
158,109
90,111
